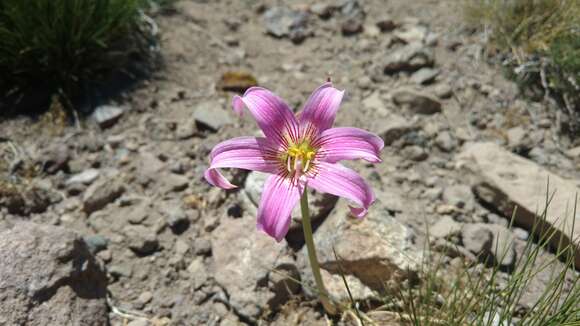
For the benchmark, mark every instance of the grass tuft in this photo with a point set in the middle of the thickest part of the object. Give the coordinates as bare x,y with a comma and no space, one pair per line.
59,46
540,41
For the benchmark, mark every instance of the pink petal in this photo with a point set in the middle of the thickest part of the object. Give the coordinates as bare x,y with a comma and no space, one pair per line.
279,197
250,153
338,144
338,180
320,109
272,114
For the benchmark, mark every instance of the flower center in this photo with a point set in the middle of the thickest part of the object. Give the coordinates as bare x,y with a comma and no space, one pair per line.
299,157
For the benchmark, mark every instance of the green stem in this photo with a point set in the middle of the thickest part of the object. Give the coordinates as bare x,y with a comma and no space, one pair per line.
308,238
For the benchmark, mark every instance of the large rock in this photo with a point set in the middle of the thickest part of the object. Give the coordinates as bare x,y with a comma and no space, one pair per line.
48,277
377,250
507,181
247,260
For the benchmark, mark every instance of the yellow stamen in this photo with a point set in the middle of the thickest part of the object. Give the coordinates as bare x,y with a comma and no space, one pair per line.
299,157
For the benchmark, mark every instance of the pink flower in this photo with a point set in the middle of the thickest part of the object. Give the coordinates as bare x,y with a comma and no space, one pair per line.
299,152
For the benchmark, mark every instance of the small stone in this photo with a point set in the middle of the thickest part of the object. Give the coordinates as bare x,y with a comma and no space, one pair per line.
415,153
145,297
459,196
412,34
86,177
387,24
102,193
284,22
202,247
443,91
445,227
211,115
446,142
96,243
351,26
322,10
573,152
393,128
181,247
141,240
408,58
139,213
477,239
107,115
415,101
425,76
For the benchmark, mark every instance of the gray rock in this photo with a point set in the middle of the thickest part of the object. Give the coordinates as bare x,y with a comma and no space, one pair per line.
107,115
425,76
245,263
505,180
443,91
211,115
139,212
49,277
412,34
445,227
377,250
393,128
198,273
102,193
415,101
409,58
285,22
142,240
459,196
493,244
86,177
322,9
477,239
96,243
415,153
54,158
446,141
351,8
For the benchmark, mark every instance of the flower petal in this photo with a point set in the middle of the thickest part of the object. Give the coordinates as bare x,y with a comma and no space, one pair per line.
341,181
320,109
279,197
272,114
338,144
250,153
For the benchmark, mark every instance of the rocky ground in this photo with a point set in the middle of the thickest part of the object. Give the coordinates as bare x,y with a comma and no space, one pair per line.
113,216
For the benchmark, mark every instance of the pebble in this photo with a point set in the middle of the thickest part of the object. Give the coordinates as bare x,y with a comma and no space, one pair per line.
416,101
212,116
96,243
107,115
425,76
86,177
